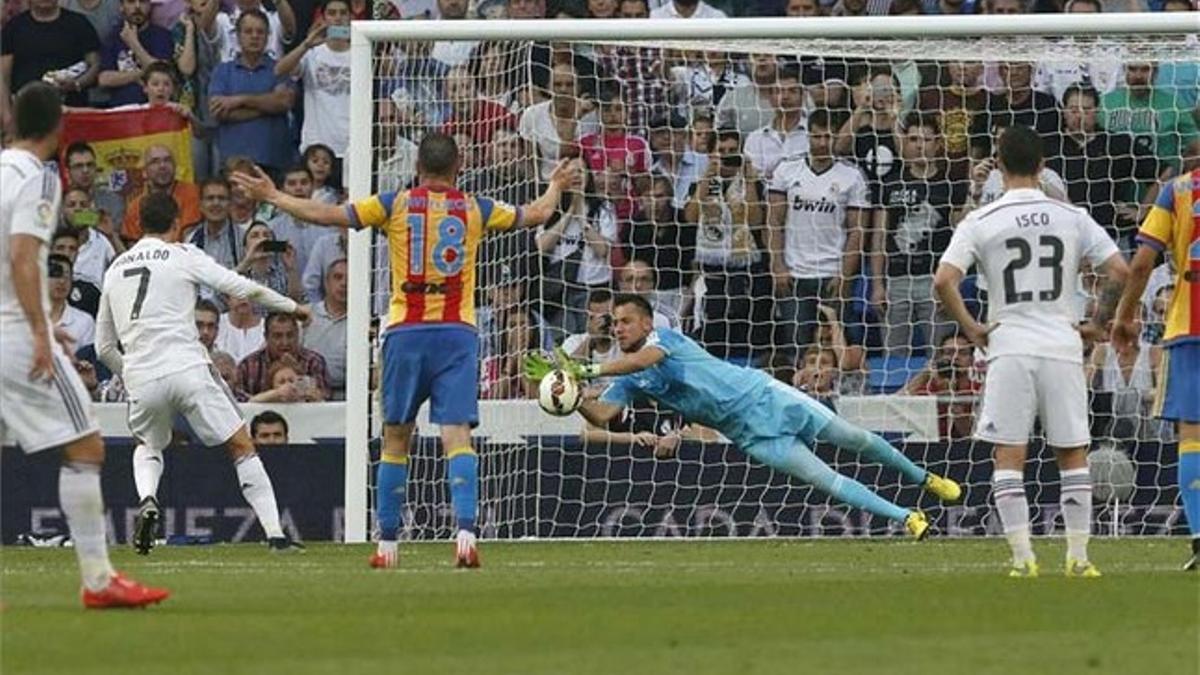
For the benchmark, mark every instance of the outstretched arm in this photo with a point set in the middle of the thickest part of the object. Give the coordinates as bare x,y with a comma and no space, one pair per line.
1124,330
541,209
262,188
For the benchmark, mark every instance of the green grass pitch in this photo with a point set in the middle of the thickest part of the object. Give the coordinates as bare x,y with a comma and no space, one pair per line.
782,606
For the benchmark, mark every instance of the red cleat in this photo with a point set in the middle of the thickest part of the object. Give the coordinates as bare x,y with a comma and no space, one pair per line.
123,593
466,553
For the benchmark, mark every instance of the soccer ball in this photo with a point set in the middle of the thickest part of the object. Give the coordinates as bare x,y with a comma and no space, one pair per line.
1112,472
559,394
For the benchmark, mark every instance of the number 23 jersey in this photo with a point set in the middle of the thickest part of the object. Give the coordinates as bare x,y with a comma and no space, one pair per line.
433,234
1029,249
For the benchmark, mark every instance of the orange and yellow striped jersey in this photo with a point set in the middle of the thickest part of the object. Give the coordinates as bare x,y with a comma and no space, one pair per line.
1173,225
433,234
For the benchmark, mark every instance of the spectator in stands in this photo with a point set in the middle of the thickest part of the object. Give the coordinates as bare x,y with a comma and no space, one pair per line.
158,83
751,106
303,237
639,69
664,238
269,428
817,375
458,52
1126,379
850,357
278,29
596,344
1101,169
240,328
138,44
160,176
249,101
81,173
265,262
326,333
499,73
734,311
825,83
282,339
860,8
1181,79
1001,7
804,8
615,146
869,135
243,209
197,54
76,324
1102,72
701,82
508,174
954,373
470,114
911,232
208,323
687,9
786,138
526,9
1158,124
576,247
84,296
818,209
1019,104
502,376
104,15
958,98
675,158
638,278
321,162
47,42
215,233
555,127
227,368
96,251
602,9
328,249
321,64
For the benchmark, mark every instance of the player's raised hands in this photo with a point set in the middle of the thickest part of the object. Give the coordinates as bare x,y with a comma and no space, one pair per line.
537,366
258,186
303,314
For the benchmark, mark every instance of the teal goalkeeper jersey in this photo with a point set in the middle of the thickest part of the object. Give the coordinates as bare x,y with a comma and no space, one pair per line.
744,404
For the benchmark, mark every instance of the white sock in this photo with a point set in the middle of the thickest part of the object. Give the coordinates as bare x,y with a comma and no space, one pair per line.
81,501
147,471
1008,491
257,489
1075,497
386,547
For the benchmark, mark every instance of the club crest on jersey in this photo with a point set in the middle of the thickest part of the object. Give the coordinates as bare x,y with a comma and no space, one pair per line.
45,214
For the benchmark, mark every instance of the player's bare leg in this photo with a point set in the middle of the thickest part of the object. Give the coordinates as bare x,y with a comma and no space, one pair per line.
81,500
462,470
258,490
1008,491
1075,497
391,493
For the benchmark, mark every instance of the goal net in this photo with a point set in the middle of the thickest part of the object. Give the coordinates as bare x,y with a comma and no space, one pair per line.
780,191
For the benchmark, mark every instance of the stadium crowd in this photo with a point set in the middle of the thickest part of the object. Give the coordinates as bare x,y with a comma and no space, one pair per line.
787,212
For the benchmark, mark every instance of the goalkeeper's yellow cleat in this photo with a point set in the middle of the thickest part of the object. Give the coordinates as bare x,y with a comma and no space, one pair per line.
1082,569
1026,570
944,488
917,525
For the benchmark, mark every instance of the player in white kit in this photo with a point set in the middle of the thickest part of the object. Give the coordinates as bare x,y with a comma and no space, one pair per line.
1029,248
148,305
43,403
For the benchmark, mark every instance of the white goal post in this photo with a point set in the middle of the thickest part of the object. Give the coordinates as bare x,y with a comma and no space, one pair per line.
866,35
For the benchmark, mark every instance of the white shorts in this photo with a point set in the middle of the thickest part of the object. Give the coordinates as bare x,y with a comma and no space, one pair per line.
1018,388
41,415
199,394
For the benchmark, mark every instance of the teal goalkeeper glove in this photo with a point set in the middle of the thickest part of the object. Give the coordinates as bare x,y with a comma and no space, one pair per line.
576,369
537,366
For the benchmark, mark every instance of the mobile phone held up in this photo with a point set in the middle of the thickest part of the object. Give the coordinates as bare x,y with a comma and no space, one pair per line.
273,246
337,33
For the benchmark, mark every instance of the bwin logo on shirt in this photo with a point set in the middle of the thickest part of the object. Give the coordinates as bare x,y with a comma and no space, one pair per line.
813,205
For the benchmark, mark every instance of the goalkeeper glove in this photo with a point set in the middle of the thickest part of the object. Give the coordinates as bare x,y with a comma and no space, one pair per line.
537,366
576,369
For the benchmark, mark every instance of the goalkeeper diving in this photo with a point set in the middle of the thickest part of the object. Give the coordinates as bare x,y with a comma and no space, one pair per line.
769,421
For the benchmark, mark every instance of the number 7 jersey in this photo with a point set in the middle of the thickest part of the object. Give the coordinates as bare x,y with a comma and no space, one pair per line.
1029,249
433,234
149,305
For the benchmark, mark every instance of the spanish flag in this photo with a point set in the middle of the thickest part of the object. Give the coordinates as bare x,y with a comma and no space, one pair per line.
120,138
